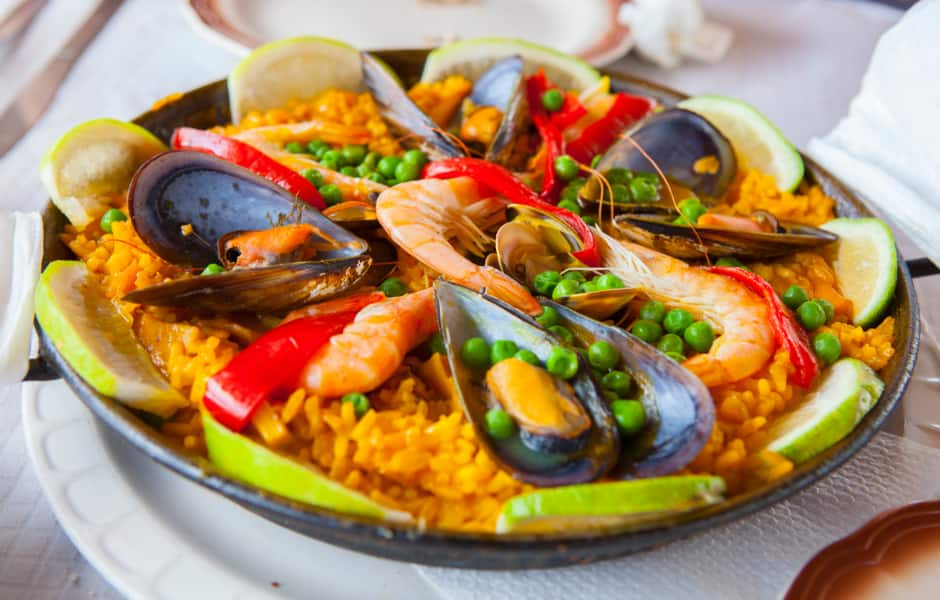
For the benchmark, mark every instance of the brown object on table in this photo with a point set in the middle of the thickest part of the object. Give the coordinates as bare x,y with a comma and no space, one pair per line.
895,555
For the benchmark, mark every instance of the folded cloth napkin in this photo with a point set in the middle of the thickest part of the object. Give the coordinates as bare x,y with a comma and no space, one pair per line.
887,146
753,558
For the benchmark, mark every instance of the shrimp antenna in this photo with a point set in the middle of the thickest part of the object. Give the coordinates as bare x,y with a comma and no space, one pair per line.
609,189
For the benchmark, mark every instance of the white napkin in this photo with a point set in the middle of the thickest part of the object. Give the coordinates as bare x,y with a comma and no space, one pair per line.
20,257
888,147
755,557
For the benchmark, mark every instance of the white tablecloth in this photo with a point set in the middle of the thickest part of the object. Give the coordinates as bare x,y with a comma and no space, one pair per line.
798,60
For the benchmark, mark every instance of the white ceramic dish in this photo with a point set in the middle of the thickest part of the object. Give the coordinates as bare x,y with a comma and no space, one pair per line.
588,28
154,535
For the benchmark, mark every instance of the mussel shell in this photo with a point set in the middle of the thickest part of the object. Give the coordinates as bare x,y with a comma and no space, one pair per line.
675,139
503,86
660,233
601,304
403,114
498,84
354,215
680,412
216,197
462,314
261,289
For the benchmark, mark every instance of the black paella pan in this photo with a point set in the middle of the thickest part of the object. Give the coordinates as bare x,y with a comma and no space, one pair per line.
208,106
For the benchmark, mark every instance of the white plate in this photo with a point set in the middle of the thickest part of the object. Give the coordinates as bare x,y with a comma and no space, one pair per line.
588,28
155,535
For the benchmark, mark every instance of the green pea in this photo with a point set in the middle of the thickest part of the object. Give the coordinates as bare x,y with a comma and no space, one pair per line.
619,382
692,209
330,163
676,356
563,332
565,288
364,170
730,261
475,353
642,190
393,287
811,315
553,99
589,220
609,281
406,171
569,193
499,424
313,176
376,177
353,154
335,157
111,217
387,166
828,308
597,159
360,403
575,276
603,355
619,175
653,311
566,167
677,319
629,415
350,171
502,349
562,362
570,205
827,347
212,269
546,281
794,296
436,344
548,317
415,157
321,151
610,396
699,336
331,194
371,160
621,193
294,147
671,343
316,147
648,331
589,286
529,357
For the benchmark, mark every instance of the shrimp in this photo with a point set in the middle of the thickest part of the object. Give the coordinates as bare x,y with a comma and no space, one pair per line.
372,347
747,340
434,220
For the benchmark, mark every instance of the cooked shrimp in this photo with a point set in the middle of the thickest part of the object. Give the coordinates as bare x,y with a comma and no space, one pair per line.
372,347
746,342
436,221
305,131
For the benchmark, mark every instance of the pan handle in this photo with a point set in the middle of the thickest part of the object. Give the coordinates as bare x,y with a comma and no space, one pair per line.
922,267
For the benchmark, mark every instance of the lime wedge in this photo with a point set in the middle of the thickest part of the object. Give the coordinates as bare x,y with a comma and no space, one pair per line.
92,161
866,264
758,143
844,394
471,58
240,458
97,342
589,506
296,68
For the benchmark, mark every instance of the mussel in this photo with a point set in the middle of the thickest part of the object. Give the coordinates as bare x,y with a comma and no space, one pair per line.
688,149
680,412
566,434
502,87
662,233
533,241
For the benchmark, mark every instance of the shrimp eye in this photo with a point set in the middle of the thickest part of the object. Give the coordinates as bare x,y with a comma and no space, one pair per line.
232,254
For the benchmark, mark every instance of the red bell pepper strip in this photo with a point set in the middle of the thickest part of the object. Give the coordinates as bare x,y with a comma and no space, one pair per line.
501,181
554,147
787,332
270,365
599,135
249,157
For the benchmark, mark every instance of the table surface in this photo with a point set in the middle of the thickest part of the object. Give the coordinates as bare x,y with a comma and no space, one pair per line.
820,47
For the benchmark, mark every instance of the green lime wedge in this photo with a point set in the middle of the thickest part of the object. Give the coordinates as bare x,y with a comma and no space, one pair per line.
240,458
296,68
97,342
758,143
595,505
866,264
471,58
844,394
93,161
